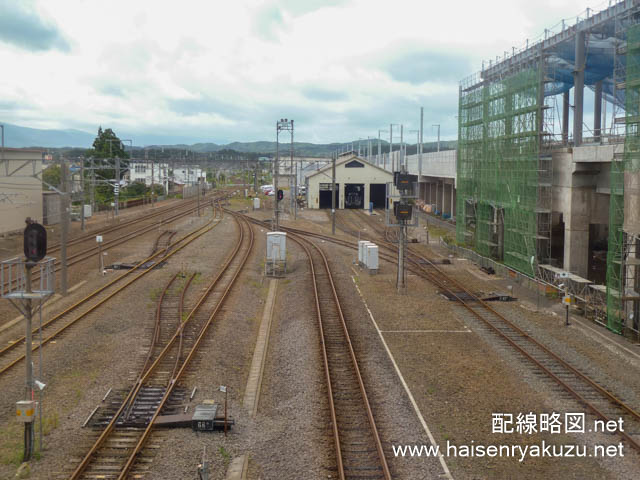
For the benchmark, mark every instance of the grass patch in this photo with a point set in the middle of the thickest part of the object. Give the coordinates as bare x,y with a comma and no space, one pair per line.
11,443
155,292
226,456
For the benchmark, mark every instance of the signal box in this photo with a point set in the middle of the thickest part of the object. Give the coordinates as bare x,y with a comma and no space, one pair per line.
402,210
35,242
404,181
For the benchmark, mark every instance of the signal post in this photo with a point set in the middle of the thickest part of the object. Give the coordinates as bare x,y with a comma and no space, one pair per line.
18,289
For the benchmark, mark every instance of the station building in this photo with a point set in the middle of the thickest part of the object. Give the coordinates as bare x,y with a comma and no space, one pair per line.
358,182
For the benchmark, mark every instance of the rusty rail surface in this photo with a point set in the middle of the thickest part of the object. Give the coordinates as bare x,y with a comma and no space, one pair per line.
341,372
178,246
239,256
425,268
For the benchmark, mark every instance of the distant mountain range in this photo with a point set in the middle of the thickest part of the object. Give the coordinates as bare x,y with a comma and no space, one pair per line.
23,137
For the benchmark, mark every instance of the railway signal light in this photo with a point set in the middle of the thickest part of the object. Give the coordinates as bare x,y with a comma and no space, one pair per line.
280,195
404,181
35,242
402,210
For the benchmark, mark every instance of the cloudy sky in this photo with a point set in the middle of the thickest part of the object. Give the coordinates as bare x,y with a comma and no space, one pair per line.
226,70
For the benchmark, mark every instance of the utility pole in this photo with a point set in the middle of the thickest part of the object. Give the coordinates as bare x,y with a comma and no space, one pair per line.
117,190
93,188
421,147
255,178
198,195
28,427
391,147
401,281
379,145
401,159
333,193
295,182
282,124
276,220
292,193
438,125
82,194
64,219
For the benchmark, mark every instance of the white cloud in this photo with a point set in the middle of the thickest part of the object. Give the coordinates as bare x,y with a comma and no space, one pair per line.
141,67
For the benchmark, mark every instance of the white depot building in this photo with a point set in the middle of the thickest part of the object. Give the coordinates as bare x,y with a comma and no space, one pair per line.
148,173
188,175
358,182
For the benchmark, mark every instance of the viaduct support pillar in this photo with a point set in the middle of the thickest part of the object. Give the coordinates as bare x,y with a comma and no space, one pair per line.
578,96
576,233
565,118
597,111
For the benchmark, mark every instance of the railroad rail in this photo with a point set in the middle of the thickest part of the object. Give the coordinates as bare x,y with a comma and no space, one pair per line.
52,328
131,413
359,452
182,347
602,403
163,241
114,228
605,405
91,251
599,401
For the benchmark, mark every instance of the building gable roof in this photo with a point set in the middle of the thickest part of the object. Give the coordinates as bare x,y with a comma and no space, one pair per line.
347,160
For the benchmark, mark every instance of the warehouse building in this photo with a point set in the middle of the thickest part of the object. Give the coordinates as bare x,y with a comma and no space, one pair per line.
20,188
358,182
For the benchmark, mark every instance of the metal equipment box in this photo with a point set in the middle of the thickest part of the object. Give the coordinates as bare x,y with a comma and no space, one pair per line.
371,257
276,246
204,417
26,410
361,250
256,203
402,211
276,262
87,211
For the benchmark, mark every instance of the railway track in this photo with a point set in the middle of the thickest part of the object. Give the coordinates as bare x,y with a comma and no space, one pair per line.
163,241
595,398
122,225
359,452
132,414
92,251
160,378
601,403
10,355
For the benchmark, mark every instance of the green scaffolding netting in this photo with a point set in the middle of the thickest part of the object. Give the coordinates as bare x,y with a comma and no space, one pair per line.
498,167
628,165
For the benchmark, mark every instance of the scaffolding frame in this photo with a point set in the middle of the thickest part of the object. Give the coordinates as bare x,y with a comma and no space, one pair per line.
623,262
504,169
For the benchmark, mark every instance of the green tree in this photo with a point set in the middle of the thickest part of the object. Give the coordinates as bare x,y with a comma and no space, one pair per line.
107,146
51,175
